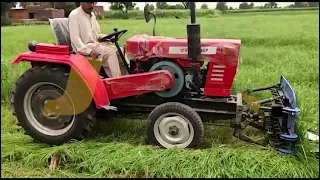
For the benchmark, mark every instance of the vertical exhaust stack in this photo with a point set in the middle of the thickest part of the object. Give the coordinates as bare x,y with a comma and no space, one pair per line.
194,45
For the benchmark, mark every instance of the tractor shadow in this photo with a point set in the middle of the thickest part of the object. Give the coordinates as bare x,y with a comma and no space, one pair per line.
132,129
120,129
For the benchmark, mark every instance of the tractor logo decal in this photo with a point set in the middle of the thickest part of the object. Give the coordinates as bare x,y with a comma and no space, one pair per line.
184,50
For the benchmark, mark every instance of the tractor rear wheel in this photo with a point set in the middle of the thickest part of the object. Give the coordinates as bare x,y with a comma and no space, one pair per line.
175,125
31,92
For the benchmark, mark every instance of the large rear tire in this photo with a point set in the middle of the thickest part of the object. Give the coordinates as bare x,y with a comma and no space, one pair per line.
175,125
32,90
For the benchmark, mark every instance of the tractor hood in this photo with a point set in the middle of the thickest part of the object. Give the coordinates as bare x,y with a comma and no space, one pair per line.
223,51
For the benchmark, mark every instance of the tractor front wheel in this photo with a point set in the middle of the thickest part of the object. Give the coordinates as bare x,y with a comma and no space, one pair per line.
175,125
33,89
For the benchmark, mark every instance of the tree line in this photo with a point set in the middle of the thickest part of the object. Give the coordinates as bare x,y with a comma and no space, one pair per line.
127,6
222,6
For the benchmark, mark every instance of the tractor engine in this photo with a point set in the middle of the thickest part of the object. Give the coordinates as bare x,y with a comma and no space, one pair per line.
217,66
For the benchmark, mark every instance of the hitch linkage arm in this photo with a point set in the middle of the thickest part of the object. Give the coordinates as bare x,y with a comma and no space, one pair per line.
268,100
261,89
238,134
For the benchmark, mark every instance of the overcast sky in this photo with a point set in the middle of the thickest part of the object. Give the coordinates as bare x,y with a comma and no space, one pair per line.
198,4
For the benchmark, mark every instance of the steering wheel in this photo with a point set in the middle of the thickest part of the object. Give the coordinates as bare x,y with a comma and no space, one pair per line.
113,36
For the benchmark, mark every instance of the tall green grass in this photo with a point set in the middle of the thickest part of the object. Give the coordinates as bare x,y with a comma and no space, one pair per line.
117,149
287,45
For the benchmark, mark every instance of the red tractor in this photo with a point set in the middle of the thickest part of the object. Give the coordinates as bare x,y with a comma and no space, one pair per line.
180,81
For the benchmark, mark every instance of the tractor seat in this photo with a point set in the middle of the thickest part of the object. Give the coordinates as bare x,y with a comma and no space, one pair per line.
60,30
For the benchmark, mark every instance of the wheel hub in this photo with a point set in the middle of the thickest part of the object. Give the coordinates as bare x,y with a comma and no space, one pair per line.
49,116
174,130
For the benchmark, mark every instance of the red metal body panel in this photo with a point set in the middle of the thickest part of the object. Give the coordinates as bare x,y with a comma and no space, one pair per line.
222,54
80,64
47,48
129,85
137,84
219,80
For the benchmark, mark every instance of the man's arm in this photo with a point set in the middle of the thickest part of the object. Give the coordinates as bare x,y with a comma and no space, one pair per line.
75,36
98,28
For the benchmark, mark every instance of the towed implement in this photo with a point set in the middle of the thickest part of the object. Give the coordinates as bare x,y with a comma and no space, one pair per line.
180,81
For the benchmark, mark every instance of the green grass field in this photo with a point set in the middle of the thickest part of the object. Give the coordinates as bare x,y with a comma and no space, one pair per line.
285,44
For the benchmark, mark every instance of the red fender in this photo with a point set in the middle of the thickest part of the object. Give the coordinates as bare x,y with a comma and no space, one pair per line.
80,65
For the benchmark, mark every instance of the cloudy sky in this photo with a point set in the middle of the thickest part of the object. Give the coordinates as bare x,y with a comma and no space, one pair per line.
198,4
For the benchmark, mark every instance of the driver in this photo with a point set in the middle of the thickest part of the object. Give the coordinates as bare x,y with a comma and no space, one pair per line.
85,34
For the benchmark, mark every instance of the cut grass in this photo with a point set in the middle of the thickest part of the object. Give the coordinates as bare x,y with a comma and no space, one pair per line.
121,152
286,45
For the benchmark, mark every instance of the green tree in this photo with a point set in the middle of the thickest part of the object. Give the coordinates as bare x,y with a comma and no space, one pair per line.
6,7
251,5
273,4
300,4
122,6
77,4
204,6
162,5
222,6
176,6
151,7
313,4
66,6
246,5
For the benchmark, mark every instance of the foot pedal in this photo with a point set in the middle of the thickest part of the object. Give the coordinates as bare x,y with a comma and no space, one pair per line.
110,108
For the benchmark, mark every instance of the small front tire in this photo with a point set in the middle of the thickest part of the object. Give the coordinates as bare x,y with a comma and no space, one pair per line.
175,125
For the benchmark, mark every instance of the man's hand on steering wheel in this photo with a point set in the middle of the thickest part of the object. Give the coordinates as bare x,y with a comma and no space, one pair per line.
104,40
113,36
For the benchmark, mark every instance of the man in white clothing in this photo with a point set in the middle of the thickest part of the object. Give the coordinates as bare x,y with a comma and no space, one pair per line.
85,34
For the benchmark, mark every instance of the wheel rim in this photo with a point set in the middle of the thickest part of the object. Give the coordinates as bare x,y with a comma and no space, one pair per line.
48,123
172,130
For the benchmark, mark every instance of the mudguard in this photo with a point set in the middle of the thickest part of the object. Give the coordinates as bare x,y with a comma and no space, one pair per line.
80,65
